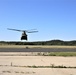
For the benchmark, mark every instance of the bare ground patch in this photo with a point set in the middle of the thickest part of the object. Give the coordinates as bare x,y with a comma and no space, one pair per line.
36,71
37,65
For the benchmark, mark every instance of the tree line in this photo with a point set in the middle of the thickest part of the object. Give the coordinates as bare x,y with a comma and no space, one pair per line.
51,42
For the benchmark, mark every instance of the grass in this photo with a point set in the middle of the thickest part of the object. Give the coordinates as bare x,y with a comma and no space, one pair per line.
16,72
66,54
35,46
61,54
51,66
35,66
6,71
56,54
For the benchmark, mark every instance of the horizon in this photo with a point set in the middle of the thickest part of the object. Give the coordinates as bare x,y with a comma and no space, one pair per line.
41,41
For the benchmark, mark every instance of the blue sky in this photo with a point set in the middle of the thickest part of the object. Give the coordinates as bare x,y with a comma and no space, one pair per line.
54,19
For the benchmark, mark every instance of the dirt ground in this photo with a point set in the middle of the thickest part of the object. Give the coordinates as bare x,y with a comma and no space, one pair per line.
7,68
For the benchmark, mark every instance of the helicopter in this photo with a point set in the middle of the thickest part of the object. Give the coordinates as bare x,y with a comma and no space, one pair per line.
24,35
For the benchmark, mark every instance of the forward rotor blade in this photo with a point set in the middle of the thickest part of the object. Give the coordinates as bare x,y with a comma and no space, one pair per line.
14,29
28,31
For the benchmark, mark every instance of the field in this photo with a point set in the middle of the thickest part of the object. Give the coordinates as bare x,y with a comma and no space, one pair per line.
37,63
35,46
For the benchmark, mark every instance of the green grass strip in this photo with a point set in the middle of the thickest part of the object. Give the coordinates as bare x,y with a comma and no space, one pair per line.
61,54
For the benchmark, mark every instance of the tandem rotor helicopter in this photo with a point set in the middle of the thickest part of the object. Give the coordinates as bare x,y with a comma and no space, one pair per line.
24,35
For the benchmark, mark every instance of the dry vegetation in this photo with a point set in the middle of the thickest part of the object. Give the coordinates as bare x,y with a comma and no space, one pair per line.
65,54
35,46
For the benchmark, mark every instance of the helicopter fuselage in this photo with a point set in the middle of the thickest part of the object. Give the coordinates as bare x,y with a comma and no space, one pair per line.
24,36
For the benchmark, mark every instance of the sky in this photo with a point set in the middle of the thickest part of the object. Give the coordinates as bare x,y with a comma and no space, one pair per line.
54,19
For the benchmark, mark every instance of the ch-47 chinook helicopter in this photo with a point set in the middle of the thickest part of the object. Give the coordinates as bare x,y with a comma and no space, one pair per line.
24,35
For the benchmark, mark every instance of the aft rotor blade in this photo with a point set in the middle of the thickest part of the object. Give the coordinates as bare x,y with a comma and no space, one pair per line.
31,31
14,29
